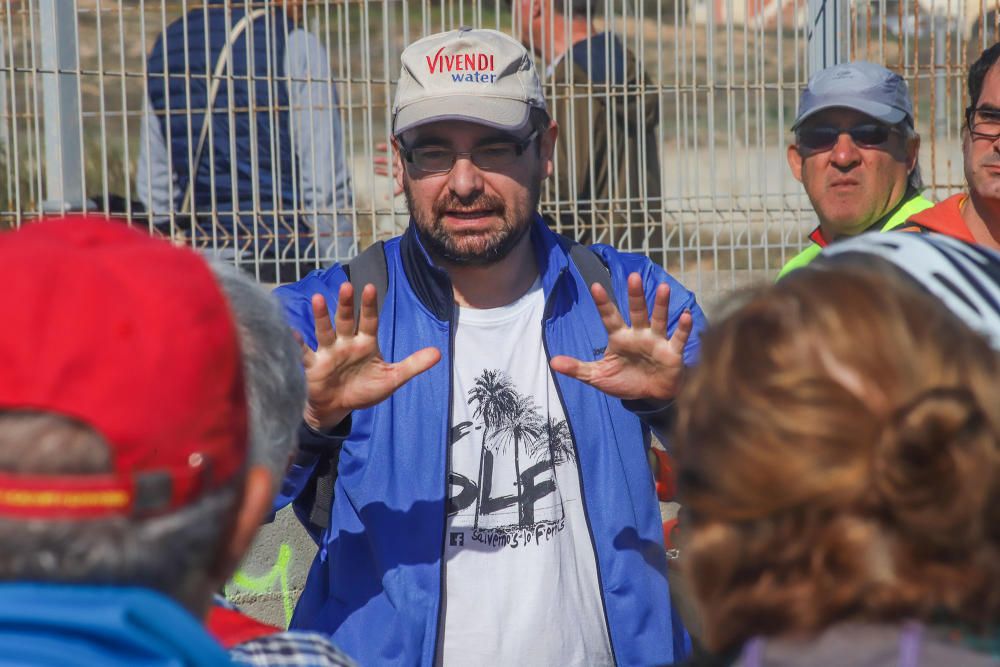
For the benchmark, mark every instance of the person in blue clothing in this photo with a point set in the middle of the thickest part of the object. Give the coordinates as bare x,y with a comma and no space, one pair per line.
125,494
488,415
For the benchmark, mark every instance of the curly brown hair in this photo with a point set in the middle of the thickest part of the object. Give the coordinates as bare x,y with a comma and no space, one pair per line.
838,458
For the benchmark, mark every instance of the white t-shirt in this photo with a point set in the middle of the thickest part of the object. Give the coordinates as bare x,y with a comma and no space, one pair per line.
521,583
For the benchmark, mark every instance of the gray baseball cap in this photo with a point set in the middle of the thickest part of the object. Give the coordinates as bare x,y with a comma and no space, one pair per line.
482,76
866,87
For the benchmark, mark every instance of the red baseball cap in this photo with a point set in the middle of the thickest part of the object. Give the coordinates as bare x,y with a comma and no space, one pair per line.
131,336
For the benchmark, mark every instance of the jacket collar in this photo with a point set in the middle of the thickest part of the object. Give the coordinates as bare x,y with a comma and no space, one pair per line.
432,285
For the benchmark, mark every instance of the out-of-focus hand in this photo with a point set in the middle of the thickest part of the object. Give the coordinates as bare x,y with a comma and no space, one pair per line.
383,166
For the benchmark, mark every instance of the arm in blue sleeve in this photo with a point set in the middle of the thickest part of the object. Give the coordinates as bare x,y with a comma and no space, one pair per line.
659,415
296,303
313,446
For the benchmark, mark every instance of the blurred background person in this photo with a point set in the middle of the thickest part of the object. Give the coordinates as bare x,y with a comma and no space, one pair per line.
260,187
842,474
607,175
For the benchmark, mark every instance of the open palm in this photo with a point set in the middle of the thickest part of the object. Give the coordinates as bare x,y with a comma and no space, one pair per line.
640,362
346,371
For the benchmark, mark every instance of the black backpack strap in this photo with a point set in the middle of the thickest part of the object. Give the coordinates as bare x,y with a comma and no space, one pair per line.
590,265
367,268
324,478
592,268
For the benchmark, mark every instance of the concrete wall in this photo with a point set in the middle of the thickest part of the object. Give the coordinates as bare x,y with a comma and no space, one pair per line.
274,572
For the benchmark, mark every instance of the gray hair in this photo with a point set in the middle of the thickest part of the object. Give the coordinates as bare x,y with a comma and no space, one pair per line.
172,554
272,368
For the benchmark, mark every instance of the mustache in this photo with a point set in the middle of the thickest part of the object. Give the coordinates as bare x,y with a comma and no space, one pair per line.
483,202
990,160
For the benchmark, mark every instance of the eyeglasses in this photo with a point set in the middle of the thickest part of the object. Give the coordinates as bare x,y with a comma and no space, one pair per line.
983,123
489,157
823,138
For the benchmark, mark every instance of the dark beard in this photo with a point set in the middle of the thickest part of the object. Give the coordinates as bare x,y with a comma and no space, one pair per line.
444,247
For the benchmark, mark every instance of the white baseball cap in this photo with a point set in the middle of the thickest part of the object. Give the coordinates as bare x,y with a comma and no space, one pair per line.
482,76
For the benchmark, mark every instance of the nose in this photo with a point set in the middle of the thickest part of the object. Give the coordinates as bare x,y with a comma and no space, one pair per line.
845,153
465,179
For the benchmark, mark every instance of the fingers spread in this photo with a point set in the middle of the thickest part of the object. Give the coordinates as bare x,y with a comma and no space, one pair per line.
325,335
571,367
415,364
661,305
683,331
637,302
344,319
368,323
610,316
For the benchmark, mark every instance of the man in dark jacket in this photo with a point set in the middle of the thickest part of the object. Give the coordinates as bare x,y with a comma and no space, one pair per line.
486,509
268,188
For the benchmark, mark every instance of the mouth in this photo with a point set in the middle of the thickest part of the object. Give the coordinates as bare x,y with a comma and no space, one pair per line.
472,215
844,184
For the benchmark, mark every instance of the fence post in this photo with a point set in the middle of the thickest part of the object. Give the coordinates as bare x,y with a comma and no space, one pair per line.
4,107
61,107
826,33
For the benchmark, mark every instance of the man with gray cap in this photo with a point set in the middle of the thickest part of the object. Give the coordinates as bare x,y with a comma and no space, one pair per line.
487,510
855,153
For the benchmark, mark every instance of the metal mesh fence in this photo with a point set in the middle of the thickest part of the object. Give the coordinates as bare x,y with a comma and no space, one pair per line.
260,142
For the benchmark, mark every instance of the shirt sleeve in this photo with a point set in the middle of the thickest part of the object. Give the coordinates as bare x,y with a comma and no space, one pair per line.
154,180
317,136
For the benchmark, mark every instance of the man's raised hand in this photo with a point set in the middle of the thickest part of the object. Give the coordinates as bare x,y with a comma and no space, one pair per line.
640,362
347,371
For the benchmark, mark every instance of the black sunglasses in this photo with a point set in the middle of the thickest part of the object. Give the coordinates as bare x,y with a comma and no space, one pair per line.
823,137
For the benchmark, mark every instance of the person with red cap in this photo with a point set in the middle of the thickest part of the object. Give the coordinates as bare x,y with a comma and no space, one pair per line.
125,494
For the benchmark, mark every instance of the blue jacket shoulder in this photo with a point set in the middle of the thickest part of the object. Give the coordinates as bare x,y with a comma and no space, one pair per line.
296,299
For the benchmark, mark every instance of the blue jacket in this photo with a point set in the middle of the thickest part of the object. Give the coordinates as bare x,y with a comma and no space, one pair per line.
100,626
376,582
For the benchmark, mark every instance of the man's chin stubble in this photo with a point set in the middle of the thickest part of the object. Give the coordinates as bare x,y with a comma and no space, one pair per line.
484,253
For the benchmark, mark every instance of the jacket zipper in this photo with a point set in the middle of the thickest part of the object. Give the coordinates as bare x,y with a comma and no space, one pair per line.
447,466
579,473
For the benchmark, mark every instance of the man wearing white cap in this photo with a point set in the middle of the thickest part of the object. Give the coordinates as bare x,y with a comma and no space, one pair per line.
855,153
487,510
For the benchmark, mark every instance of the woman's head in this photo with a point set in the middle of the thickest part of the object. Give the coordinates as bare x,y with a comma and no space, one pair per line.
838,451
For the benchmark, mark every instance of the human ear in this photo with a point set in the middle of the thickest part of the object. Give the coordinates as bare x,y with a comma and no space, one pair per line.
795,161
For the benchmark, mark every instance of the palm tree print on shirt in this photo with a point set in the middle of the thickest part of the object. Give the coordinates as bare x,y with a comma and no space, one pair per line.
520,450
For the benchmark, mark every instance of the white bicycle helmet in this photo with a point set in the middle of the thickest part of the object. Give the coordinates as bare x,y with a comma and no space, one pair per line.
965,277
